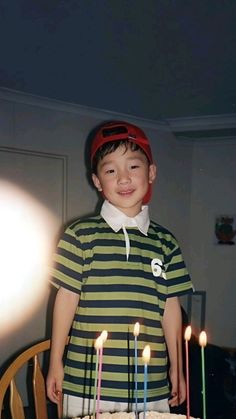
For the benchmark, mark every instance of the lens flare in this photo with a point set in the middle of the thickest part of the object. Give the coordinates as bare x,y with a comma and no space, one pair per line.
27,230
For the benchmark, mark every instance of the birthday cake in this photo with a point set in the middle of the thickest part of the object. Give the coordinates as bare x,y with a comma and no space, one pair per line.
148,415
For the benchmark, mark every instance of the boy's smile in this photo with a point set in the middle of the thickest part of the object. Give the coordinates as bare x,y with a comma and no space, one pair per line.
124,177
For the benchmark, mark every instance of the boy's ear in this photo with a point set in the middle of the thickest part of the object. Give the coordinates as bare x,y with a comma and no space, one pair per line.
96,182
152,172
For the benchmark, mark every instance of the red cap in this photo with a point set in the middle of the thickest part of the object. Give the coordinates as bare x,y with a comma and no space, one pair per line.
116,131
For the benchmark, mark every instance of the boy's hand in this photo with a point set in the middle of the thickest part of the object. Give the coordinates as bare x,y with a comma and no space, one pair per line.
178,389
54,383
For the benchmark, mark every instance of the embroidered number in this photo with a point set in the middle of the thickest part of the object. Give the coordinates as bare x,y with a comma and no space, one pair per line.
156,265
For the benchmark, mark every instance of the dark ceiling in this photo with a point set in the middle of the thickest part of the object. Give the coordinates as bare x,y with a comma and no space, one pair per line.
155,59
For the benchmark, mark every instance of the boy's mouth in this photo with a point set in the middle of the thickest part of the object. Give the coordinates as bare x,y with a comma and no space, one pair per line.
126,192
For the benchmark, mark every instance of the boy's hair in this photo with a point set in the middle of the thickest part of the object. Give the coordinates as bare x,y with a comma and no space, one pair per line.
111,135
110,147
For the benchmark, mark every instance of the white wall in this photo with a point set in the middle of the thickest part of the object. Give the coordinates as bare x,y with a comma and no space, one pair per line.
213,266
196,182
172,192
57,129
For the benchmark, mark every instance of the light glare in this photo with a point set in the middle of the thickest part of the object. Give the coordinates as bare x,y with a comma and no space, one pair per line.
27,230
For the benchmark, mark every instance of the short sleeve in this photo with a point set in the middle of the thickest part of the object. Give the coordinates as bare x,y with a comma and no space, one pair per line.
67,268
177,277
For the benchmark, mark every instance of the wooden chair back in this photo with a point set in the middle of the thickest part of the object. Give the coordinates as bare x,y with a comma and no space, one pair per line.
7,381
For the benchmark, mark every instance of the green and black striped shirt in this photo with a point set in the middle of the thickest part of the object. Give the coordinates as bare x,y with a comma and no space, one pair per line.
114,295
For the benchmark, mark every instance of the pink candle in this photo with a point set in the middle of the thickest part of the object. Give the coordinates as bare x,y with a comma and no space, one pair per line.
136,333
146,359
203,343
187,337
97,345
100,353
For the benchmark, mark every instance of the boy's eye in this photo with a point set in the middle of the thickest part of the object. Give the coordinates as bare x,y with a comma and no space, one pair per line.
110,171
134,166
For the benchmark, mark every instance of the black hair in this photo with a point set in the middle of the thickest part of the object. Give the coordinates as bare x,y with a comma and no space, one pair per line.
110,147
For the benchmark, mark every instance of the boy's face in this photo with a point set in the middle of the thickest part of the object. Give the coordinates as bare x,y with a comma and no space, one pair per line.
124,177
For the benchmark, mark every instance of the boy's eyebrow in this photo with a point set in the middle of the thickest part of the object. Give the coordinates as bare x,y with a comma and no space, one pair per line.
130,158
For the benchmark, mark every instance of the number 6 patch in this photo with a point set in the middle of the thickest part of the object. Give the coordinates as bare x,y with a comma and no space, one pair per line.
156,266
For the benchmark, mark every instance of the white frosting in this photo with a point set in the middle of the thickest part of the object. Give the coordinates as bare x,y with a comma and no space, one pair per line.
148,415
157,415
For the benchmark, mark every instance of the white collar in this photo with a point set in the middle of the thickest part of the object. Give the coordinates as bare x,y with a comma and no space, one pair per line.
117,220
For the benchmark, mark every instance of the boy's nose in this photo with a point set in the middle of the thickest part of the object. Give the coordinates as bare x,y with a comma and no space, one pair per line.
123,176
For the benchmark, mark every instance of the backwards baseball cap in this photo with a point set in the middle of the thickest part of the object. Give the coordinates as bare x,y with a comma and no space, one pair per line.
117,131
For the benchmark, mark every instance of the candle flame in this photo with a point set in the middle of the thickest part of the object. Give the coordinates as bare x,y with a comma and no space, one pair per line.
136,329
98,343
188,332
104,335
101,340
146,354
203,339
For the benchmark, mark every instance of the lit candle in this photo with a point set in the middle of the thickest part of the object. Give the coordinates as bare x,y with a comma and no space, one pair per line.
202,343
146,359
99,347
104,335
136,333
187,337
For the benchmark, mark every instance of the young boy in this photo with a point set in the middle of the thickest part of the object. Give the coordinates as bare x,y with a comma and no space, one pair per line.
113,270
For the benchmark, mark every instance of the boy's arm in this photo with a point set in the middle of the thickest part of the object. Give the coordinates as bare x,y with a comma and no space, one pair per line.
172,327
65,306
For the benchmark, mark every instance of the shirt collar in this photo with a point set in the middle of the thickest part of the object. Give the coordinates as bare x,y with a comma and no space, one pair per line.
116,219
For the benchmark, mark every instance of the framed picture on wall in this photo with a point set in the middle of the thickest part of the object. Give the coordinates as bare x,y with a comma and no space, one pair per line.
225,229
195,308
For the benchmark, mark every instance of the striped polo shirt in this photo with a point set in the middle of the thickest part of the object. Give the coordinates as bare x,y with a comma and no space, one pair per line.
115,293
